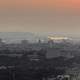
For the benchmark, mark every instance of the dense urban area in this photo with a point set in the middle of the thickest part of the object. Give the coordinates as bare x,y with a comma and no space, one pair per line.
40,61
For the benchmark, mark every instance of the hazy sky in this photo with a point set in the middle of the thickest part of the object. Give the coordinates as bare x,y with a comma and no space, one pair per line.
57,16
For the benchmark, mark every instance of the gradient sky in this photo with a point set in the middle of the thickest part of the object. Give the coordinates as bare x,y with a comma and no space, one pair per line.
57,16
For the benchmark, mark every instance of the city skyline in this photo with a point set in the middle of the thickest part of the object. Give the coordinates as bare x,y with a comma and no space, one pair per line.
16,37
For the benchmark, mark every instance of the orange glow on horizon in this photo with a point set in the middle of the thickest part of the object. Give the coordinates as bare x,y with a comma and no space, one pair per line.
57,38
39,3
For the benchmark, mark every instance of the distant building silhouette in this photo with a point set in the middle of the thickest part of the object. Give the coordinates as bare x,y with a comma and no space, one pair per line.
51,43
35,55
24,42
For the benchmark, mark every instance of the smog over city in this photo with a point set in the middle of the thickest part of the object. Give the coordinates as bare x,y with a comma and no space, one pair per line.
39,40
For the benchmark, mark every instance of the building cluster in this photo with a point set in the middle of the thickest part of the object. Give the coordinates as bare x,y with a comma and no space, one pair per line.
63,55
50,45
